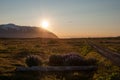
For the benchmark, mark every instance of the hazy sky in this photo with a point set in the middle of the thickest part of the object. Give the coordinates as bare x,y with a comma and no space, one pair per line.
67,18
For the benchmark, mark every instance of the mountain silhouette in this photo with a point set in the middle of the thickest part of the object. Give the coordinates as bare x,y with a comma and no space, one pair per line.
16,31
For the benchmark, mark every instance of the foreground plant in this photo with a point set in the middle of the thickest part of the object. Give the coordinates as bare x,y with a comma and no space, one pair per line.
33,60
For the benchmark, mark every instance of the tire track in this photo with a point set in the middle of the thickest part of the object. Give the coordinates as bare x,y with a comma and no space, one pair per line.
112,56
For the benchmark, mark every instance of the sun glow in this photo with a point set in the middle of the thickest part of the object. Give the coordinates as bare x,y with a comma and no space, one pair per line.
45,24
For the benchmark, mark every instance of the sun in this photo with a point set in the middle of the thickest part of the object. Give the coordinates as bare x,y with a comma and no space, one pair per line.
45,24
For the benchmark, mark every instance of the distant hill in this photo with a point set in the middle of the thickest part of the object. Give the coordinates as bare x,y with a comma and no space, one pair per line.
16,31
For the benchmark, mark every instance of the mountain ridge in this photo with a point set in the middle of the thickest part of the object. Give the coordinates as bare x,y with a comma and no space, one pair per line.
15,31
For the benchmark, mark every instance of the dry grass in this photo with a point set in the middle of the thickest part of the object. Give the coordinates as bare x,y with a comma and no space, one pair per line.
14,51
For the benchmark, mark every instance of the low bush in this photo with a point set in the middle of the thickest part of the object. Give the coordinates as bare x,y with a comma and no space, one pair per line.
33,60
55,60
73,59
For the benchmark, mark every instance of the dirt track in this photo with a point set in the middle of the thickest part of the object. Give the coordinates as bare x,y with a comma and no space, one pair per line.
112,56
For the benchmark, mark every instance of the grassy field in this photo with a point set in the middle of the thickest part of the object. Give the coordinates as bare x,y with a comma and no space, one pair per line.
13,53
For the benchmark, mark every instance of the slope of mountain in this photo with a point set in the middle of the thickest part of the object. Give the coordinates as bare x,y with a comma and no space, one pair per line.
16,31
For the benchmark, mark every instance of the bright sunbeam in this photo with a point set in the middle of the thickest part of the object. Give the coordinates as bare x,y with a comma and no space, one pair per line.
44,24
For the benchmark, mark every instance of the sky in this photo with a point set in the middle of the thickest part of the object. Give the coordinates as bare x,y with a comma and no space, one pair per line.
67,18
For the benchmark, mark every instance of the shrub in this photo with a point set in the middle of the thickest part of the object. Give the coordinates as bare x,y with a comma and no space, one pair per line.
71,54
33,60
55,60
73,59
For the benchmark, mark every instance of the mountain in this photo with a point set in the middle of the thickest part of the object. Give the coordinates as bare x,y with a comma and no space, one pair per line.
16,31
